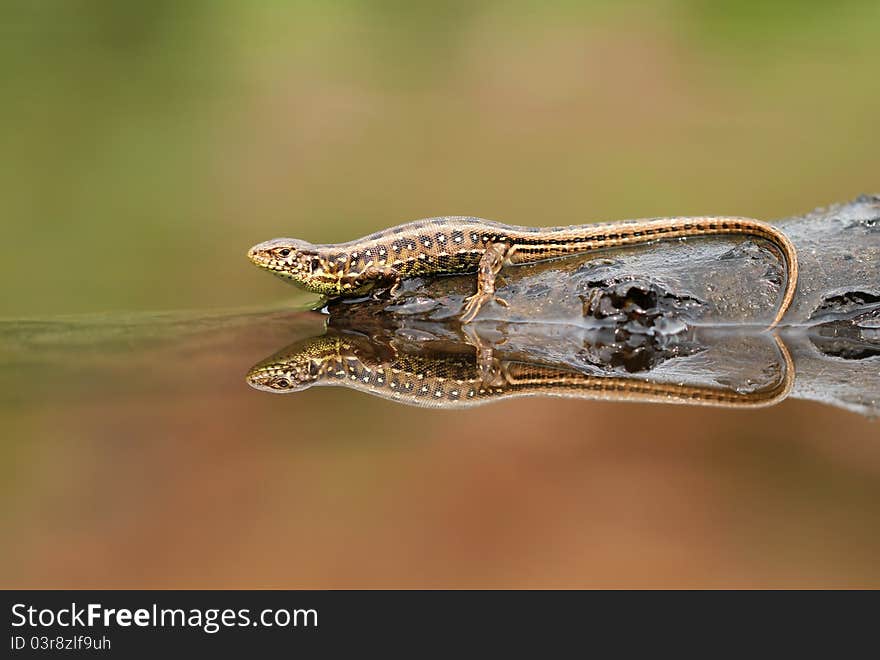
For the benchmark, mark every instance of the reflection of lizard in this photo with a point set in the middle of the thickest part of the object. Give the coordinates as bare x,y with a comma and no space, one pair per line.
467,378
448,245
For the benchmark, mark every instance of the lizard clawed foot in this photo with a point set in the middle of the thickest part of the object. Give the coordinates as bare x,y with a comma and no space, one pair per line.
474,303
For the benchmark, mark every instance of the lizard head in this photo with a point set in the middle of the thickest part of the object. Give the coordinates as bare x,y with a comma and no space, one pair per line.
299,262
297,367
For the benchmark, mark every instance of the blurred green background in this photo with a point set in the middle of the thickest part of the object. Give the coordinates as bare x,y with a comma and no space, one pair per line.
146,146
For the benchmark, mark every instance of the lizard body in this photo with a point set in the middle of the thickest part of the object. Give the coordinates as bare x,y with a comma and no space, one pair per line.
460,244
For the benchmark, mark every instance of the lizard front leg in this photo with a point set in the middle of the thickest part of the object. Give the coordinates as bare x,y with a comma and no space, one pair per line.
490,265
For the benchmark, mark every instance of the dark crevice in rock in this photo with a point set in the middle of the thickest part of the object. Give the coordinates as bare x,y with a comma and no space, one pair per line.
640,305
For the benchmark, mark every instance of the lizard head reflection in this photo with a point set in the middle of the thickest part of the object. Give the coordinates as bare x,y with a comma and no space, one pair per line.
356,361
298,367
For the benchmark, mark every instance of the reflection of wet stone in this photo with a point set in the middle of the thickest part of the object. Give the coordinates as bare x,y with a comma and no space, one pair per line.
856,338
768,374
636,352
632,348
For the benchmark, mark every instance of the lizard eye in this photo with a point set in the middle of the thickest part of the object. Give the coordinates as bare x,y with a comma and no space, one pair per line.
282,383
284,252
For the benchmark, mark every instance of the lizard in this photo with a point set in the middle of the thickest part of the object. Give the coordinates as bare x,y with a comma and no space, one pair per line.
462,244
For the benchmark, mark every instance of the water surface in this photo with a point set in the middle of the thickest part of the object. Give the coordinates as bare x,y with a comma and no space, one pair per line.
137,455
